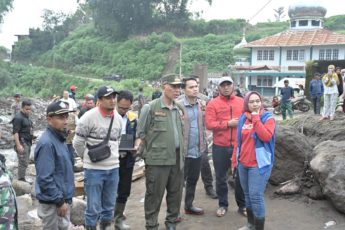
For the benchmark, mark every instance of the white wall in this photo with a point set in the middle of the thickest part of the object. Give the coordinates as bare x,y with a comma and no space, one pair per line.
255,61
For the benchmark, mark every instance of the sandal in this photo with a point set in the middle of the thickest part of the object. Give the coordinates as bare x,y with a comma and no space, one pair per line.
221,211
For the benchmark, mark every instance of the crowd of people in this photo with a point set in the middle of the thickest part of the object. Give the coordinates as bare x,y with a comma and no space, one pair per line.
170,135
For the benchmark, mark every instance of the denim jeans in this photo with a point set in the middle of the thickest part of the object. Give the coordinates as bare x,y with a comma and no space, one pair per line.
254,184
101,189
191,174
222,161
316,100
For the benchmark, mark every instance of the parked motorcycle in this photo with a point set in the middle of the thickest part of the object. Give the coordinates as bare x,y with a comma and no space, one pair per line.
299,103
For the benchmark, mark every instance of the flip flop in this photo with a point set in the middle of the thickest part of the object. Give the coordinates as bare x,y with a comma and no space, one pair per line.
221,211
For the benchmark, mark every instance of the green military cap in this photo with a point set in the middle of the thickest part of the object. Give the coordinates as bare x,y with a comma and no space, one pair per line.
171,79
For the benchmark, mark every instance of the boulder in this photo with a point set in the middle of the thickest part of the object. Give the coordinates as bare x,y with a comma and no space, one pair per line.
291,150
24,204
293,187
77,212
78,165
21,187
328,167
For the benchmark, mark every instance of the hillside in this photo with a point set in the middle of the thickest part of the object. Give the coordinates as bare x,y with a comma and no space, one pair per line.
85,55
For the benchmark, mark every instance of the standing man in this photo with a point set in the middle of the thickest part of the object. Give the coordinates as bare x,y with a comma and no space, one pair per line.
141,100
15,107
101,177
160,130
127,160
221,117
316,92
23,135
72,94
195,140
70,101
287,94
89,104
54,170
157,93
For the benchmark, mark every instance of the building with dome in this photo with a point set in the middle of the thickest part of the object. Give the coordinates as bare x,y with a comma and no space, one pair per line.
283,55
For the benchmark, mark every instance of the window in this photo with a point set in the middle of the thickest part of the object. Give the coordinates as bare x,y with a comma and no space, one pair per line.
301,55
271,55
335,54
322,55
289,55
264,81
259,55
265,56
315,23
293,24
303,23
295,55
328,54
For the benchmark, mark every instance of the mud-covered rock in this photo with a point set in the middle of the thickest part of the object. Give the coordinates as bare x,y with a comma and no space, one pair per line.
77,212
291,150
21,187
328,167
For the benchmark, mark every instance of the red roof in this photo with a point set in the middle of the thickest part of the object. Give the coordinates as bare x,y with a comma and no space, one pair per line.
300,38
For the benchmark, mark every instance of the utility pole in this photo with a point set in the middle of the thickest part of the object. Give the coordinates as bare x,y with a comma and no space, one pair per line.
180,60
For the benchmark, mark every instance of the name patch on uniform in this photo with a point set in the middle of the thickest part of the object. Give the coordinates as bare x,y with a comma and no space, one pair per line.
160,114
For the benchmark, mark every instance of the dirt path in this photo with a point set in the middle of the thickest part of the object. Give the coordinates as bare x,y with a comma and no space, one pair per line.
289,213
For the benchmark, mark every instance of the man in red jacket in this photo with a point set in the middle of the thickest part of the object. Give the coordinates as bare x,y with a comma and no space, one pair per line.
221,117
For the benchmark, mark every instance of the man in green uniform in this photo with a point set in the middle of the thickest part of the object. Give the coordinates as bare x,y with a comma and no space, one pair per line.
160,133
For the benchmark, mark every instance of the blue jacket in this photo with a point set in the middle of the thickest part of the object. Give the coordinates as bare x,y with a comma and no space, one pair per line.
316,88
131,128
264,151
54,169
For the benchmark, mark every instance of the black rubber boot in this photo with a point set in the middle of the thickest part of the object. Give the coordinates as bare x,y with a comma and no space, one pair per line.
259,223
250,221
90,228
105,226
119,217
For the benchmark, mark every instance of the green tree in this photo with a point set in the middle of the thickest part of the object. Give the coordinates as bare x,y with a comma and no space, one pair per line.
5,6
279,13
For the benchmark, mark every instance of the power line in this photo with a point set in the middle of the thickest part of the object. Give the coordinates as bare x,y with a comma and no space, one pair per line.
261,9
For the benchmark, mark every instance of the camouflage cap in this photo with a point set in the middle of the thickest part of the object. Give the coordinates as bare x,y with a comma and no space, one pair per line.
171,79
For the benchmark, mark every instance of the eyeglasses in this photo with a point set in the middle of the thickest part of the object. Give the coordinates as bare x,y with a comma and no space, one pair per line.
254,101
122,108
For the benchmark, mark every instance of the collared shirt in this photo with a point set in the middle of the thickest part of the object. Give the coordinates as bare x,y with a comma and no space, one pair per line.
144,115
104,113
193,139
124,124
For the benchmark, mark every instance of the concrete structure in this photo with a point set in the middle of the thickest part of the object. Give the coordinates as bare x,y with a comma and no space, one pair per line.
283,55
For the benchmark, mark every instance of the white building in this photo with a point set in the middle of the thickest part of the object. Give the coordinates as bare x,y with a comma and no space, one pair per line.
284,54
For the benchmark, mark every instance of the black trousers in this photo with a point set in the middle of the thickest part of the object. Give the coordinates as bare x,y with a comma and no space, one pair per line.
125,183
192,171
206,173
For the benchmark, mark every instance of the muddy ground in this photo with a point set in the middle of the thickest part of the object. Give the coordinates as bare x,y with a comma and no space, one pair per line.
283,213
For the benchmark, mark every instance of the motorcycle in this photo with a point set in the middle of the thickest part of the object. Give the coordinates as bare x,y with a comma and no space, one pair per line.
299,103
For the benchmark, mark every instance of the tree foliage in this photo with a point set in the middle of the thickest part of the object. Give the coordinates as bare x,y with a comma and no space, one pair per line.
5,6
279,13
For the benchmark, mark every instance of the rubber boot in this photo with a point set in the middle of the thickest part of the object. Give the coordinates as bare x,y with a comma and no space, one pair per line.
105,226
90,228
250,221
259,223
119,217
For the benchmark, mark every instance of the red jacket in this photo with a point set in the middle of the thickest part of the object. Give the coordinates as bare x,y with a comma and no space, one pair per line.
218,112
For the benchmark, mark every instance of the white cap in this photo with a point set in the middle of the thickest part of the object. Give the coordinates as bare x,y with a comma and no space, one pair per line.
224,79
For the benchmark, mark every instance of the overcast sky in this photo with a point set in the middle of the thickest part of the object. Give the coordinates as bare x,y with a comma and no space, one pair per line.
27,13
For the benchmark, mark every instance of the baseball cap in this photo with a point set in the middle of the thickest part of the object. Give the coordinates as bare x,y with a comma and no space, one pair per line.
57,108
105,91
73,87
171,79
224,79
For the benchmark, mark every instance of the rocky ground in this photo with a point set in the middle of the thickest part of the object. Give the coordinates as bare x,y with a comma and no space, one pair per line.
306,191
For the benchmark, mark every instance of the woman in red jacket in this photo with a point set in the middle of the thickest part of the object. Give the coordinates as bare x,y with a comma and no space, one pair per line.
254,157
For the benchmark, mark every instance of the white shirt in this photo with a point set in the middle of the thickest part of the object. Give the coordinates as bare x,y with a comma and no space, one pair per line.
71,103
124,124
